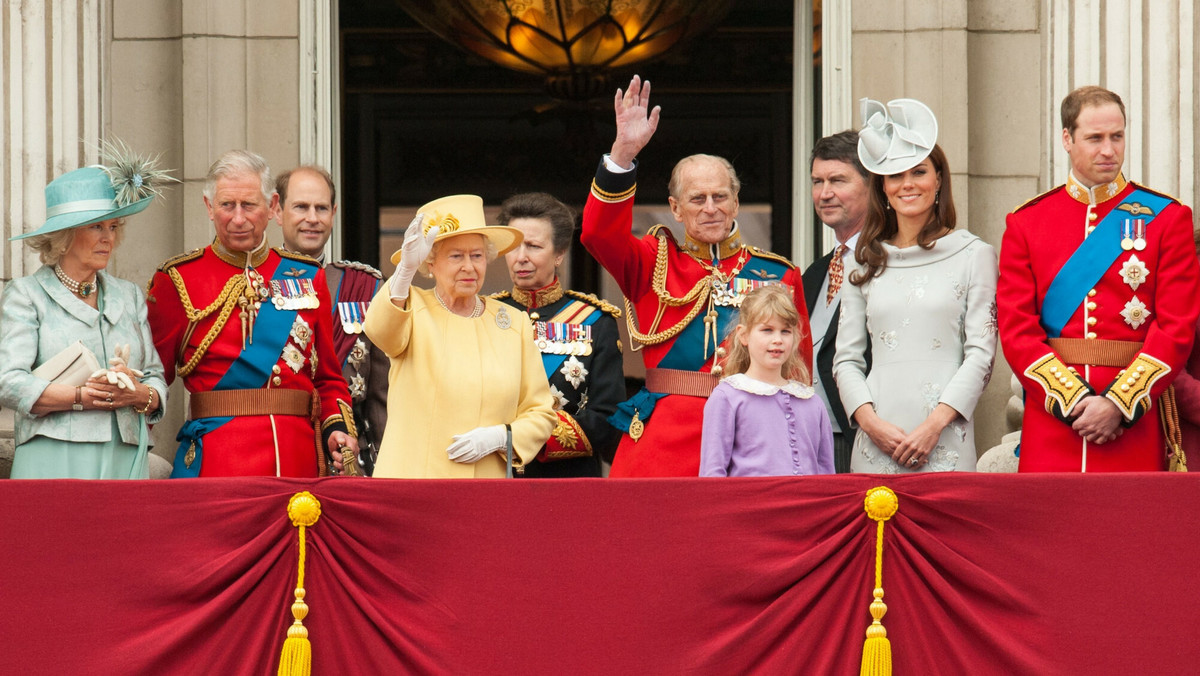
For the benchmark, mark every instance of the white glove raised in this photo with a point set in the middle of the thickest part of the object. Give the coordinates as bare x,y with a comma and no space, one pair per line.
475,445
413,252
119,378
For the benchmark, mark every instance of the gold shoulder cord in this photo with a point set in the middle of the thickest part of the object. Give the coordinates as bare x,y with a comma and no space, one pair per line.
698,294
226,301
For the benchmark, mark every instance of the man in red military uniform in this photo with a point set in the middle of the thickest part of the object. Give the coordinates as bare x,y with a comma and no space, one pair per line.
247,328
1097,303
684,294
307,206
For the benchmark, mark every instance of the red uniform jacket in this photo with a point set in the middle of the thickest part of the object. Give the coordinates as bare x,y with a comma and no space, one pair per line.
1146,296
670,442
274,445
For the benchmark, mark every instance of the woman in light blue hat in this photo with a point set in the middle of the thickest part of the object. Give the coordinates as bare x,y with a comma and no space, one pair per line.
61,323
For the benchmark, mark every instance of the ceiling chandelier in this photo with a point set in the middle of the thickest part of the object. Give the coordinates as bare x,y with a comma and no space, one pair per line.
573,44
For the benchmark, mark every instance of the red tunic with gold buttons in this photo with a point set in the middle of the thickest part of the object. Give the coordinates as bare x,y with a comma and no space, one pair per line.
668,284
248,445
1126,341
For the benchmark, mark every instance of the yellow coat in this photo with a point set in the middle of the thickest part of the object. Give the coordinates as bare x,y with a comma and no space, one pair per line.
451,374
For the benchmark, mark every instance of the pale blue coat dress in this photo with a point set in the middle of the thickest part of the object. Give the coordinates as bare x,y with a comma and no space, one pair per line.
39,317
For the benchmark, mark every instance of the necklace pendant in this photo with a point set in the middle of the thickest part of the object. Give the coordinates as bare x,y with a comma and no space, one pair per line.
85,289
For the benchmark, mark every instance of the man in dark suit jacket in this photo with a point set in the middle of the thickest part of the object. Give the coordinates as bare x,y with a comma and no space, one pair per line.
840,188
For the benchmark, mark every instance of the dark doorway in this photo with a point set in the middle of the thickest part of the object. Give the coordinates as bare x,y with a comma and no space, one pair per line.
423,119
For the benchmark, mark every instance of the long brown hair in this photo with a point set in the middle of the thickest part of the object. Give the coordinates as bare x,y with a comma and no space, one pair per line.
760,305
880,224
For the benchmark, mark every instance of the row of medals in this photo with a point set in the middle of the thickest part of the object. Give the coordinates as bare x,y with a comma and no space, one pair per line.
579,348
294,294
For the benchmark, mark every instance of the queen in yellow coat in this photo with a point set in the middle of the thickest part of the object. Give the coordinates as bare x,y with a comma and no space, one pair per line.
462,366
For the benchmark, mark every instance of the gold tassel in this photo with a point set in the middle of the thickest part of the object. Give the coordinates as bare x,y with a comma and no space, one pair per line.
296,658
881,503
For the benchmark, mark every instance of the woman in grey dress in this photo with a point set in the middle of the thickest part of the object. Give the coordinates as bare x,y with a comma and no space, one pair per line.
923,295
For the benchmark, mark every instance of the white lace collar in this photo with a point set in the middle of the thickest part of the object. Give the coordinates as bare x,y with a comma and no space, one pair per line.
743,382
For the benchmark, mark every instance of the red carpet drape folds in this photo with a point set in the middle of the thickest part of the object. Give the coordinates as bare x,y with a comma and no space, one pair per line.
984,574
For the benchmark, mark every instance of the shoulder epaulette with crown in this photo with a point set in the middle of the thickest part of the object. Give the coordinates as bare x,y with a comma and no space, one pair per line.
180,259
361,267
595,300
296,256
769,255
1037,198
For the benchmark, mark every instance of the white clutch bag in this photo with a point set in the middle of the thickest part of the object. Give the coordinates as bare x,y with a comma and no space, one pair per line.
73,366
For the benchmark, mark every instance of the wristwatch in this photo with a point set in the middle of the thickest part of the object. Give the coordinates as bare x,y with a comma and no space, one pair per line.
78,405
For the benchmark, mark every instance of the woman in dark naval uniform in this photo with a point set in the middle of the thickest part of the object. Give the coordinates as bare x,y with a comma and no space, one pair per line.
576,334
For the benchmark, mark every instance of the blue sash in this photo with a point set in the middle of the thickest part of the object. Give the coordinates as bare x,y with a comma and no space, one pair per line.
249,371
1090,261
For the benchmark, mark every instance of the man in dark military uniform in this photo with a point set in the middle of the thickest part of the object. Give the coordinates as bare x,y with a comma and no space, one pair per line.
685,295
247,328
1097,303
307,206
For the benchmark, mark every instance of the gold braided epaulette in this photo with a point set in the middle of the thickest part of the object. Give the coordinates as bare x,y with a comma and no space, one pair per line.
181,259
361,267
303,258
1152,191
772,256
500,294
1036,198
661,231
593,299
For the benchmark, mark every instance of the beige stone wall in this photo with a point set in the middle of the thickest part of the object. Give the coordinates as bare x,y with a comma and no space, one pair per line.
977,64
191,80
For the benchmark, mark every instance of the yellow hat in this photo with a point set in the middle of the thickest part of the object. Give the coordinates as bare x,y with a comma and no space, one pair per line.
463,215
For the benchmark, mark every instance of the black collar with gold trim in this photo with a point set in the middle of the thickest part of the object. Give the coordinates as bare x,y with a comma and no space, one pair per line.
542,297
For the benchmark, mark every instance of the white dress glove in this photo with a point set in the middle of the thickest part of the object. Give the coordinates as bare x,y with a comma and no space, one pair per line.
475,445
413,252
119,378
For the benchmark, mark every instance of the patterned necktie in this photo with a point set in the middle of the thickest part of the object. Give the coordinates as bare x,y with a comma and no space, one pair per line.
835,273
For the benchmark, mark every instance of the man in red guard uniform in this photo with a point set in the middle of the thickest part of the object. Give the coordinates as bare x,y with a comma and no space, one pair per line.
247,328
1097,303
685,294
307,206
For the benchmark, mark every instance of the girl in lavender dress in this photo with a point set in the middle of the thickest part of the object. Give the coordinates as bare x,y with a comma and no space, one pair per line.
761,420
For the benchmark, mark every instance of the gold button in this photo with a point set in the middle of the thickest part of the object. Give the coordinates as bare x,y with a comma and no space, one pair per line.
276,381
1091,321
1092,215
1090,228
1054,369
1091,335
720,352
716,370
1068,385
1131,380
1062,380
1091,305
534,316
1124,388
1092,293
1141,369
275,369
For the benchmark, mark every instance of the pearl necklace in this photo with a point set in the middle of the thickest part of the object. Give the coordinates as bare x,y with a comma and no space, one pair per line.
81,289
477,312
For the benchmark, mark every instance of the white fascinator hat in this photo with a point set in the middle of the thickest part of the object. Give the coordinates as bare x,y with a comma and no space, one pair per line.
895,137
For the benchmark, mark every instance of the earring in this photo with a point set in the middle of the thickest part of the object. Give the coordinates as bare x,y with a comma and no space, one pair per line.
887,206
937,195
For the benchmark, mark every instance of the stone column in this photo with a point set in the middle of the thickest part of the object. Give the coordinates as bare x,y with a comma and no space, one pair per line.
50,120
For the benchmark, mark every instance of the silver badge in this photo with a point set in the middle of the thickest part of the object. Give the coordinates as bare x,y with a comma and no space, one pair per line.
502,319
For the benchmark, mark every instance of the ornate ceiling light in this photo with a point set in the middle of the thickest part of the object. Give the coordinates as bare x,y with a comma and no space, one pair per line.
574,44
